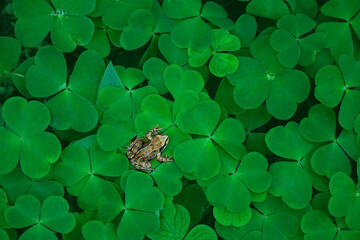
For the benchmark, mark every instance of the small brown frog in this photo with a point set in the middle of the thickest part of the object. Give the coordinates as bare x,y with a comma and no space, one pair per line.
140,152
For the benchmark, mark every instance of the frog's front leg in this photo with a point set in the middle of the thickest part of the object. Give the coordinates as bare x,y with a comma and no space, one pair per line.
164,159
141,165
153,131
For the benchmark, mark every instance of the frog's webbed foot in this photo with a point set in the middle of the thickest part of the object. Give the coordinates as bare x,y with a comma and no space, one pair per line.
140,165
164,159
153,131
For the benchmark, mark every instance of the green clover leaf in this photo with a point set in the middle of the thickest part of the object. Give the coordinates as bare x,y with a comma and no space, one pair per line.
287,142
339,33
25,138
179,9
270,219
217,15
253,84
226,100
230,195
73,105
317,225
3,234
167,177
139,31
155,111
116,14
245,29
153,69
192,32
291,46
172,53
95,229
344,199
341,86
10,53
230,129
16,183
67,23
292,183
287,47
142,199
272,9
191,157
177,80
52,216
80,171
221,64
200,119
100,40
176,228
320,127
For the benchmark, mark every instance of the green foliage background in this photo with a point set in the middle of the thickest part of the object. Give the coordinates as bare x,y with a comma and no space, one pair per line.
260,100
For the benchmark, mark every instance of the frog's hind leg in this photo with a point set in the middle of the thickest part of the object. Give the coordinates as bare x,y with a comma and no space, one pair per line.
164,159
142,165
134,147
153,131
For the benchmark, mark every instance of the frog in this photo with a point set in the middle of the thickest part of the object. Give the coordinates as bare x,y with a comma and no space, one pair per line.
140,151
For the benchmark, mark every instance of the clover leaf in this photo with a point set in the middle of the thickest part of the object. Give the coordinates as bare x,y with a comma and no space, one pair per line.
3,234
272,9
155,111
81,171
142,199
245,28
221,64
43,219
317,225
177,80
179,9
339,33
270,219
217,15
329,158
197,28
176,228
153,69
167,177
345,199
116,14
73,103
201,118
66,22
139,30
194,32
10,53
226,100
231,194
25,138
254,84
172,53
287,142
94,229
290,45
